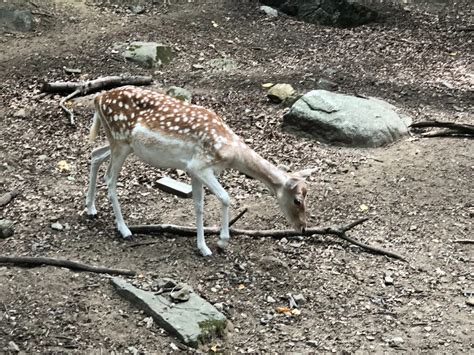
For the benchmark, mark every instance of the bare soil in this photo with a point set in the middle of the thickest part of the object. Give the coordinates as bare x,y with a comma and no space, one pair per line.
419,192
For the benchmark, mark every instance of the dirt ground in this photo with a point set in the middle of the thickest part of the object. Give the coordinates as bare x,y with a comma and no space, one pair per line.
419,192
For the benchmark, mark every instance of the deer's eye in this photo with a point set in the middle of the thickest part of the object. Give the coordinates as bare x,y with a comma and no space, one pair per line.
297,201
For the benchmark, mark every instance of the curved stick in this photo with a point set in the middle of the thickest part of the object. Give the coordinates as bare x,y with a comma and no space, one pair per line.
68,111
74,265
273,233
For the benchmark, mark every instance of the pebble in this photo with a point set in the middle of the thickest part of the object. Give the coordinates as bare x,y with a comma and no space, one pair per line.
388,280
13,347
21,113
396,341
270,299
57,226
182,295
299,298
470,301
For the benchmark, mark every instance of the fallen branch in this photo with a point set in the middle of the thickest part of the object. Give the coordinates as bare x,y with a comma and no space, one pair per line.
87,87
277,234
151,242
74,265
63,106
453,128
464,241
7,197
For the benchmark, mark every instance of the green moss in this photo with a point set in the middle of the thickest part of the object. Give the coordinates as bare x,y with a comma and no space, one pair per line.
211,329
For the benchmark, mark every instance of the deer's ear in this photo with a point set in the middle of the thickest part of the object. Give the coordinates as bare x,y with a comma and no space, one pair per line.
303,174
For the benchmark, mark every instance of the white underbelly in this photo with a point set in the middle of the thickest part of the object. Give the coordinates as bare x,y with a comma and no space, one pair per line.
162,151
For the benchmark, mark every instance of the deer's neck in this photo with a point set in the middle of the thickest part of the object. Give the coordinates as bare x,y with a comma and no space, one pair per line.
250,163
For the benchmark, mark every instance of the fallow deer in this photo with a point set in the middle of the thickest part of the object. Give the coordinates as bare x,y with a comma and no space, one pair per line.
168,133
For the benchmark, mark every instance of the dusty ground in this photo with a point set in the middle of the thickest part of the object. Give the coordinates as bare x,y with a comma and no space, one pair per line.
419,191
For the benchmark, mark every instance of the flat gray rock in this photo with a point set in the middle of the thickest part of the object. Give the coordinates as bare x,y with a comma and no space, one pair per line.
194,321
148,54
17,20
346,120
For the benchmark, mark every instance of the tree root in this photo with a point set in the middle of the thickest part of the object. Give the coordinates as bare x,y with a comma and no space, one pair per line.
339,231
74,265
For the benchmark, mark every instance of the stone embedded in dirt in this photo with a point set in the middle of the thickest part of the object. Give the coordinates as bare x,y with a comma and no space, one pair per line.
6,228
279,92
470,301
17,20
148,54
224,64
341,13
193,322
179,93
13,347
137,9
272,262
182,295
299,299
346,120
324,84
21,113
269,11
395,341
388,280
270,299
57,226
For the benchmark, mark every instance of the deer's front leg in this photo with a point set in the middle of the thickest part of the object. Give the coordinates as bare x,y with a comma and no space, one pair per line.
198,197
98,156
118,156
216,188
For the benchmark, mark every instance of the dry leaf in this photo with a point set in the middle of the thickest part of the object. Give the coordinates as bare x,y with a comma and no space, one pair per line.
267,85
63,166
241,287
364,207
214,348
214,23
283,310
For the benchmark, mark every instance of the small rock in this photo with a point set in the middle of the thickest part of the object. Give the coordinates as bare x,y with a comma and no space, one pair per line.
219,306
224,64
324,84
182,295
271,262
179,93
174,347
148,54
165,283
21,113
290,100
13,347
388,280
470,301
396,341
6,228
279,92
269,11
57,226
313,343
137,9
299,299
270,299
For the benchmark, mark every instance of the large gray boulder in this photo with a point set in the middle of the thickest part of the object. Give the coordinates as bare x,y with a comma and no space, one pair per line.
17,20
346,120
341,13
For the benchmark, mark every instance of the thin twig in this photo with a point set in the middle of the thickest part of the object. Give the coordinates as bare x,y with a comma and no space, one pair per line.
69,112
273,233
236,218
74,265
457,128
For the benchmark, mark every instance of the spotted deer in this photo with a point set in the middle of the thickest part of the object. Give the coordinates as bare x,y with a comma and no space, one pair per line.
168,133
